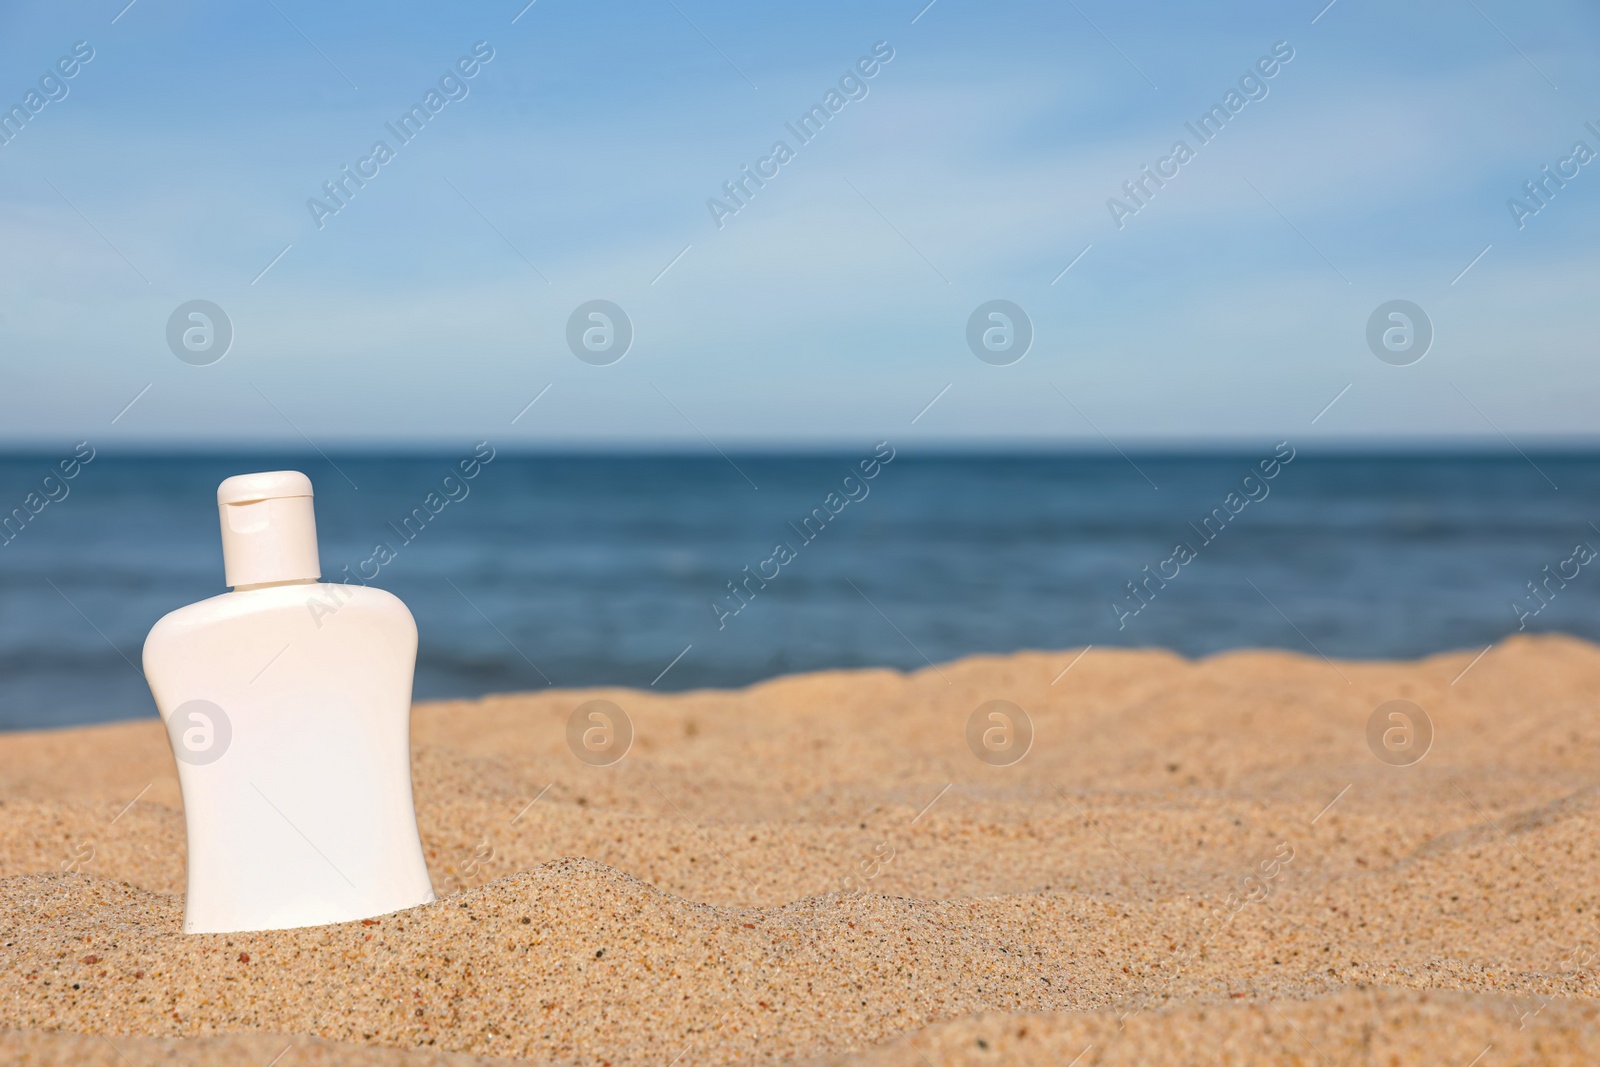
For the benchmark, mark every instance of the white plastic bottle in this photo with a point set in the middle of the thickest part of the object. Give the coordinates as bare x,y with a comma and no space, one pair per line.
288,706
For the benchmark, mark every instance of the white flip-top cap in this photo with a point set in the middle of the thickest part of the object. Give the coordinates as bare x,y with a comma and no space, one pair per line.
269,528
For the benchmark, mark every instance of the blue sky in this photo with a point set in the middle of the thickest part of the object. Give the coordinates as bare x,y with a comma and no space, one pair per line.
832,307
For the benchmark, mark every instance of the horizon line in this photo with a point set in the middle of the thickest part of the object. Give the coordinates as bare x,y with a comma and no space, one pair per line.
1168,447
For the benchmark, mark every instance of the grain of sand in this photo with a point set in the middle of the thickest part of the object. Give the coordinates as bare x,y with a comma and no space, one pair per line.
1195,862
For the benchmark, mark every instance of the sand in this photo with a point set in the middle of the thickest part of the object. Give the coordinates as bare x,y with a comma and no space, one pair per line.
1195,861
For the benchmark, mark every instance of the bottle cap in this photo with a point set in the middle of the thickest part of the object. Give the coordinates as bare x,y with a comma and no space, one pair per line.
269,528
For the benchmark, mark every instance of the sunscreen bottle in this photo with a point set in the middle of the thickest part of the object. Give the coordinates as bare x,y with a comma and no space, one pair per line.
287,703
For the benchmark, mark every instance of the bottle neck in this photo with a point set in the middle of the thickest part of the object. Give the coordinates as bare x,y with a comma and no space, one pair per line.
274,585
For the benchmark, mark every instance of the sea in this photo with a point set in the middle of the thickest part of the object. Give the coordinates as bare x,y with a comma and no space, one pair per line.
681,571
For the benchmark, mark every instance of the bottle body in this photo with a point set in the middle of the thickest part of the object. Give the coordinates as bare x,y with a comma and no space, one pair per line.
288,707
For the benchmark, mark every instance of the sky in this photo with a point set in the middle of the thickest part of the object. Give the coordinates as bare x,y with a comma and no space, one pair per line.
984,158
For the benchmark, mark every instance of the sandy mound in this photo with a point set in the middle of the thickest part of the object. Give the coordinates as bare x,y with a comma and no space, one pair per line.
1190,855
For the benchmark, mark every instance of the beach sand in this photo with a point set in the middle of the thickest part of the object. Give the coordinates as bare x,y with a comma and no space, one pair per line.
1195,861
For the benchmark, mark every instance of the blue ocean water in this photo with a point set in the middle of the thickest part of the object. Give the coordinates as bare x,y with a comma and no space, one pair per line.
578,570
